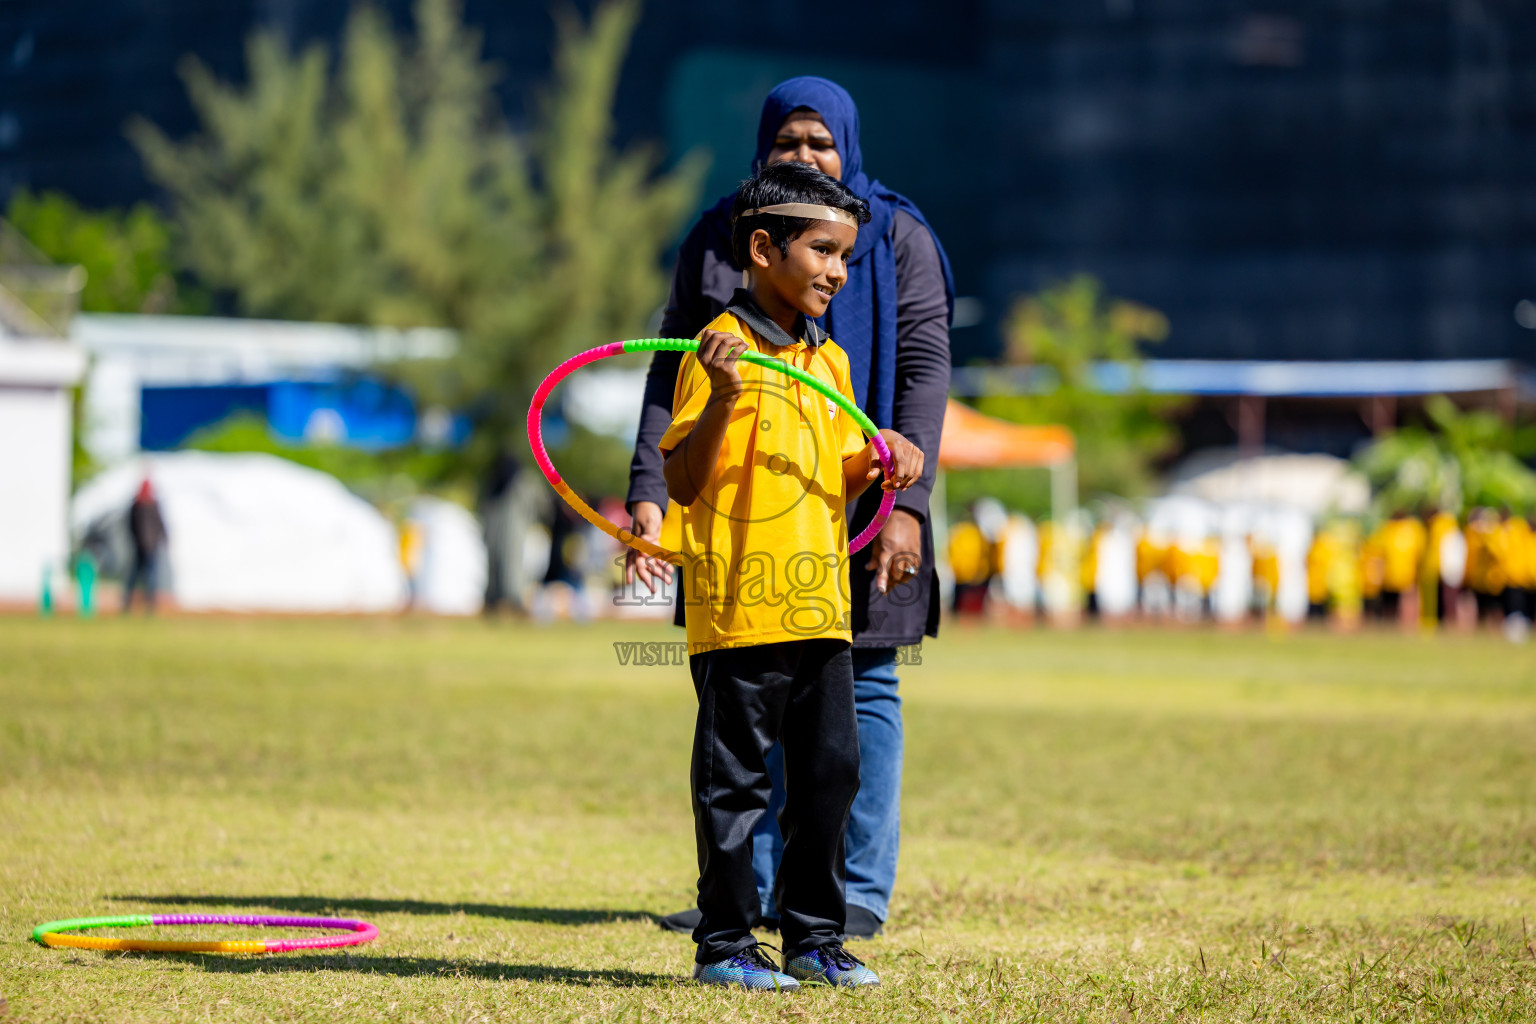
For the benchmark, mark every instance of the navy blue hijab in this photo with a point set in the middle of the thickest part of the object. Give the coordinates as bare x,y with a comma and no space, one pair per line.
862,318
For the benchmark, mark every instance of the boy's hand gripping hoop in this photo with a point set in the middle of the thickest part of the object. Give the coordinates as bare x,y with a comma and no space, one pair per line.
536,435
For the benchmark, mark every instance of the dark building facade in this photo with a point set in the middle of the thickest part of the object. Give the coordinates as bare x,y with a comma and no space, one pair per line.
1354,179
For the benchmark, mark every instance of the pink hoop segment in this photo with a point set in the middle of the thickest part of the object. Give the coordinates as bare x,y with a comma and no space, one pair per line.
571,498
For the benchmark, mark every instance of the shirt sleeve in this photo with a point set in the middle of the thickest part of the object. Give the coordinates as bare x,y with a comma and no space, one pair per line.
646,481
688,308
686,314
688,401
922,352
850,436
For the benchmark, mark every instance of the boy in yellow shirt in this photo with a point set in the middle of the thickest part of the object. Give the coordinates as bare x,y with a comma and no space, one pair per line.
762,467
1401,541
1515,548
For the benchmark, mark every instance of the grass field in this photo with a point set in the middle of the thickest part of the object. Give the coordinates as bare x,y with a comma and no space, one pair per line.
1098,826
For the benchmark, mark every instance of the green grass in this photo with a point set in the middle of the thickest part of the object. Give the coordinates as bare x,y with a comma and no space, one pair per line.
1098,826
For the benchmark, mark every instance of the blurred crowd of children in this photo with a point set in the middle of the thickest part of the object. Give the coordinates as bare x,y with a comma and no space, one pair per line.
1188,560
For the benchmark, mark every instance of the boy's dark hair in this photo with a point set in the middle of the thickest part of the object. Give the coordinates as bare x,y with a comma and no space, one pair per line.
786,183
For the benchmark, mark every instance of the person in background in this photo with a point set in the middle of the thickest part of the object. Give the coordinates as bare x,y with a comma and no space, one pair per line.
970,559
412,547
1293,537
1516,552
1195,562
892,319
1018,555
506,514
1154,584
1060,552
1114,579
1438,597
564,590
1088,570
1230,592
1484,577
1328,547
1266,575
1346,583
992,520
1372,568
1207,567
146,527
1401,541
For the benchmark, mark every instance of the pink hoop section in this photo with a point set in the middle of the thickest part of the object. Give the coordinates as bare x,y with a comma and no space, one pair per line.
571,498
887,498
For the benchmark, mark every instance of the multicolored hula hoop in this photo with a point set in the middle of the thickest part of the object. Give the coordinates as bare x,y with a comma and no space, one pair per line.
565,369
52,933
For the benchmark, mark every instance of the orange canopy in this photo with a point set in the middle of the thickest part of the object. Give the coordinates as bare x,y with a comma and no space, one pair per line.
973,440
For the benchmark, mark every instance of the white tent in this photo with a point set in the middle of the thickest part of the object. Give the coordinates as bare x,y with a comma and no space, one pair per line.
253,532
1316,484
449,577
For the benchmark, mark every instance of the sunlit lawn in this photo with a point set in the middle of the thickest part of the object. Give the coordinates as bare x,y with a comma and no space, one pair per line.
1098,826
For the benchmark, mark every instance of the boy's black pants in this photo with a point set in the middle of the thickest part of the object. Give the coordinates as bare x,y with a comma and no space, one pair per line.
801,693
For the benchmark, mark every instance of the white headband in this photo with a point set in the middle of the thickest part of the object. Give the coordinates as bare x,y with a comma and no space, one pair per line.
810,211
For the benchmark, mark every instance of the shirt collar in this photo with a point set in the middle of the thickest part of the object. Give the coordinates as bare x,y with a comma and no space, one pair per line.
745,308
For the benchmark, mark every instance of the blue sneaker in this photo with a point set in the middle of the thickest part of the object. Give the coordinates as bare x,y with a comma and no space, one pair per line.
750,969
830,965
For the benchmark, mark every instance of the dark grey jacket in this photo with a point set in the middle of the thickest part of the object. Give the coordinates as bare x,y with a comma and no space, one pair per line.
702,285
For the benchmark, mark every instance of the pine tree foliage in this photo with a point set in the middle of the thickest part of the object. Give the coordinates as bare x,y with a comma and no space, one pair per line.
389,190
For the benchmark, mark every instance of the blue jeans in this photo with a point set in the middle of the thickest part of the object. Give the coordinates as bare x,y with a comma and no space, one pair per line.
874,828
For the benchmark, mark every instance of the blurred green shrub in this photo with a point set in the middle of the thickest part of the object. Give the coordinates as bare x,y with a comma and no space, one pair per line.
1021,490
127,254
595,465
1458,461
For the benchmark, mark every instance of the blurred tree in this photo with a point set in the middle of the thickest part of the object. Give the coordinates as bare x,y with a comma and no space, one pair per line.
1409,471
1073,335
1462,460
392,193
1021,490
594,464
126,255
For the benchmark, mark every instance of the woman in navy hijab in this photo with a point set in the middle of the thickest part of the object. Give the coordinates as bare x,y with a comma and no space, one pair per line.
892,318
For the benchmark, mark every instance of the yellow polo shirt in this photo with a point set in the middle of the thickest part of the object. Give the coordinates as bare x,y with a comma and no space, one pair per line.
1402,546
1516,549
766,541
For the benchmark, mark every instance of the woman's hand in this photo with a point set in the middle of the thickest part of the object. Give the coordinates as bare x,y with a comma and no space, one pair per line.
646,524
896,553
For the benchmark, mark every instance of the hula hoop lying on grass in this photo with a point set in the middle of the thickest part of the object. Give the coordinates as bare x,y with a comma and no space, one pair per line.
53,933
536,435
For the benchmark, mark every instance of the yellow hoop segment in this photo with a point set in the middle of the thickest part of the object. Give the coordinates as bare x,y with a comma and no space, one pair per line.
63,940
